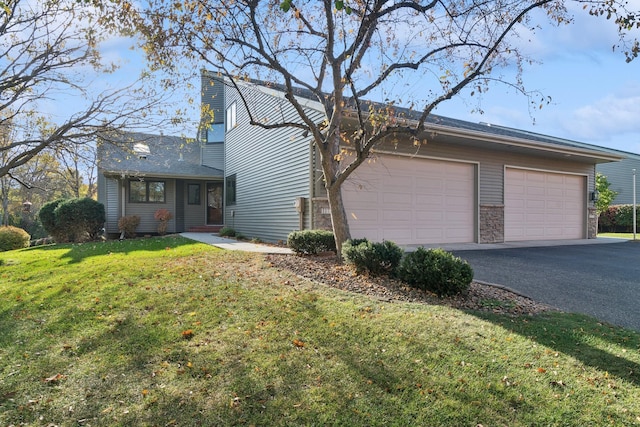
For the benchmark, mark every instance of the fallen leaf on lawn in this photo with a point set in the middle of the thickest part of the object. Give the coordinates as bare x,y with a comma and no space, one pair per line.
188,334
298,343
54,378
542,370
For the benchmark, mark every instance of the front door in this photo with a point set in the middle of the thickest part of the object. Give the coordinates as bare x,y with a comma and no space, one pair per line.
214,203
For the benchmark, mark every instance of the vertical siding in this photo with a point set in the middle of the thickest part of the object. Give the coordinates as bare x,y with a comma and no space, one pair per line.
271,168
111,200
620,176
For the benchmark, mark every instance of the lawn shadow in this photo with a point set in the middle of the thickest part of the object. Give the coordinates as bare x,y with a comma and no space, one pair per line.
77,252
576,335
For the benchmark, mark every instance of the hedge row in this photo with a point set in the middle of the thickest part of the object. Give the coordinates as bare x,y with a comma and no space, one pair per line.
618,219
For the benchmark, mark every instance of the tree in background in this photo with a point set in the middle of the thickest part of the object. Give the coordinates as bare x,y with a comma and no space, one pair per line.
605,195
53,93
348,52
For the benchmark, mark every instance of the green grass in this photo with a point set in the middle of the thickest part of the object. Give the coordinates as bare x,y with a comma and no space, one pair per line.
165,331
620,235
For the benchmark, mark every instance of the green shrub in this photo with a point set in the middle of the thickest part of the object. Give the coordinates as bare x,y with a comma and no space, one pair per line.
128,225
618,218
311,242
227,232
373,257
437,271
81,219
73,220
13,238
47,217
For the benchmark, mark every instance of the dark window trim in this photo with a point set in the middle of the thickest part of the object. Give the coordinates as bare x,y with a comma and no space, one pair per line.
146,196
230,190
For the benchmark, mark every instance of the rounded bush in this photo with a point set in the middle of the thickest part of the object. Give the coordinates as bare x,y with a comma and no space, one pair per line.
128,225
375,258
12,238
47,217
80,219
73,220
227,232
437,271
311,242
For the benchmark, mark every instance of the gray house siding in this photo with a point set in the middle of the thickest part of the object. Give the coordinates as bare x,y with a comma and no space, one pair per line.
271,169
213,155
109,195
145,211
620,176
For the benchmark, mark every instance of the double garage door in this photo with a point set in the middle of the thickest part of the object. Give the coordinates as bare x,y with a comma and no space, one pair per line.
411,200
424,201
544,205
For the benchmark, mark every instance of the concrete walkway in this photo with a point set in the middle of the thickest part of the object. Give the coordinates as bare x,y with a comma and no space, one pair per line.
235,245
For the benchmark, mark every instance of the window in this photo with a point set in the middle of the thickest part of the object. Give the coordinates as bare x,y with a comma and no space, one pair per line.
230,193
231,117
193,196
215,133
146,191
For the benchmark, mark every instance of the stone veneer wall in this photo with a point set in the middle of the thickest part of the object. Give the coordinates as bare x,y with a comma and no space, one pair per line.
592,223
491,223
321,214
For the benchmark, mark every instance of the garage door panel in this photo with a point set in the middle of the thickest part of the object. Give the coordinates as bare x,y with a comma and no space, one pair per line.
544,205
421,201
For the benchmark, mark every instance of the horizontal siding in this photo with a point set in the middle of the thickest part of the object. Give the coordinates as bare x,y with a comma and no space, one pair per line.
271,168
620,176
145,211
213,155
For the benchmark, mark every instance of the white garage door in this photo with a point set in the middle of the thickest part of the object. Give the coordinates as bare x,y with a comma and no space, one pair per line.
544,205
411,201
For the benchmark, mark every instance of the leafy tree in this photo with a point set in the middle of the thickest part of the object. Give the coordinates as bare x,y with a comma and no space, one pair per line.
50,51
345,52
605,195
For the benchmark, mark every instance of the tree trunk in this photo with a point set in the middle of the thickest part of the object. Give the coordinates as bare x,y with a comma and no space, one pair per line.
339,222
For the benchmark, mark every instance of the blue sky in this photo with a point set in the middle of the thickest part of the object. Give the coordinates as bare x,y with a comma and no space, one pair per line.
595,94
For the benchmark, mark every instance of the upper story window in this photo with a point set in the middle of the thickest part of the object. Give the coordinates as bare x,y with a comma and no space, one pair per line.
231,121
147,191
215,133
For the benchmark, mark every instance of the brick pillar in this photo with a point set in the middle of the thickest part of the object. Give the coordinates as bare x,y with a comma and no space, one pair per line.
491,223
592,223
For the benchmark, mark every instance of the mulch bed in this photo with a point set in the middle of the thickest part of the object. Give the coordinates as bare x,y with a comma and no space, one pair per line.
326,269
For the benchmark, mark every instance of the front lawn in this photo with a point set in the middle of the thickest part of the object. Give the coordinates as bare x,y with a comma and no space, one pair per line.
620,235
165,331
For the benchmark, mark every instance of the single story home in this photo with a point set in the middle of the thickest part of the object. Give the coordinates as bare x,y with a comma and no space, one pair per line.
472,182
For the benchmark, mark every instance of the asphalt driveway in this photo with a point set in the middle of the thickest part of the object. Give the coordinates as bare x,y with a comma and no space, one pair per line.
599,280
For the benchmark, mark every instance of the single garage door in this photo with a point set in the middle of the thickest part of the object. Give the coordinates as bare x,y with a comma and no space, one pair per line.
544,205
411,201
